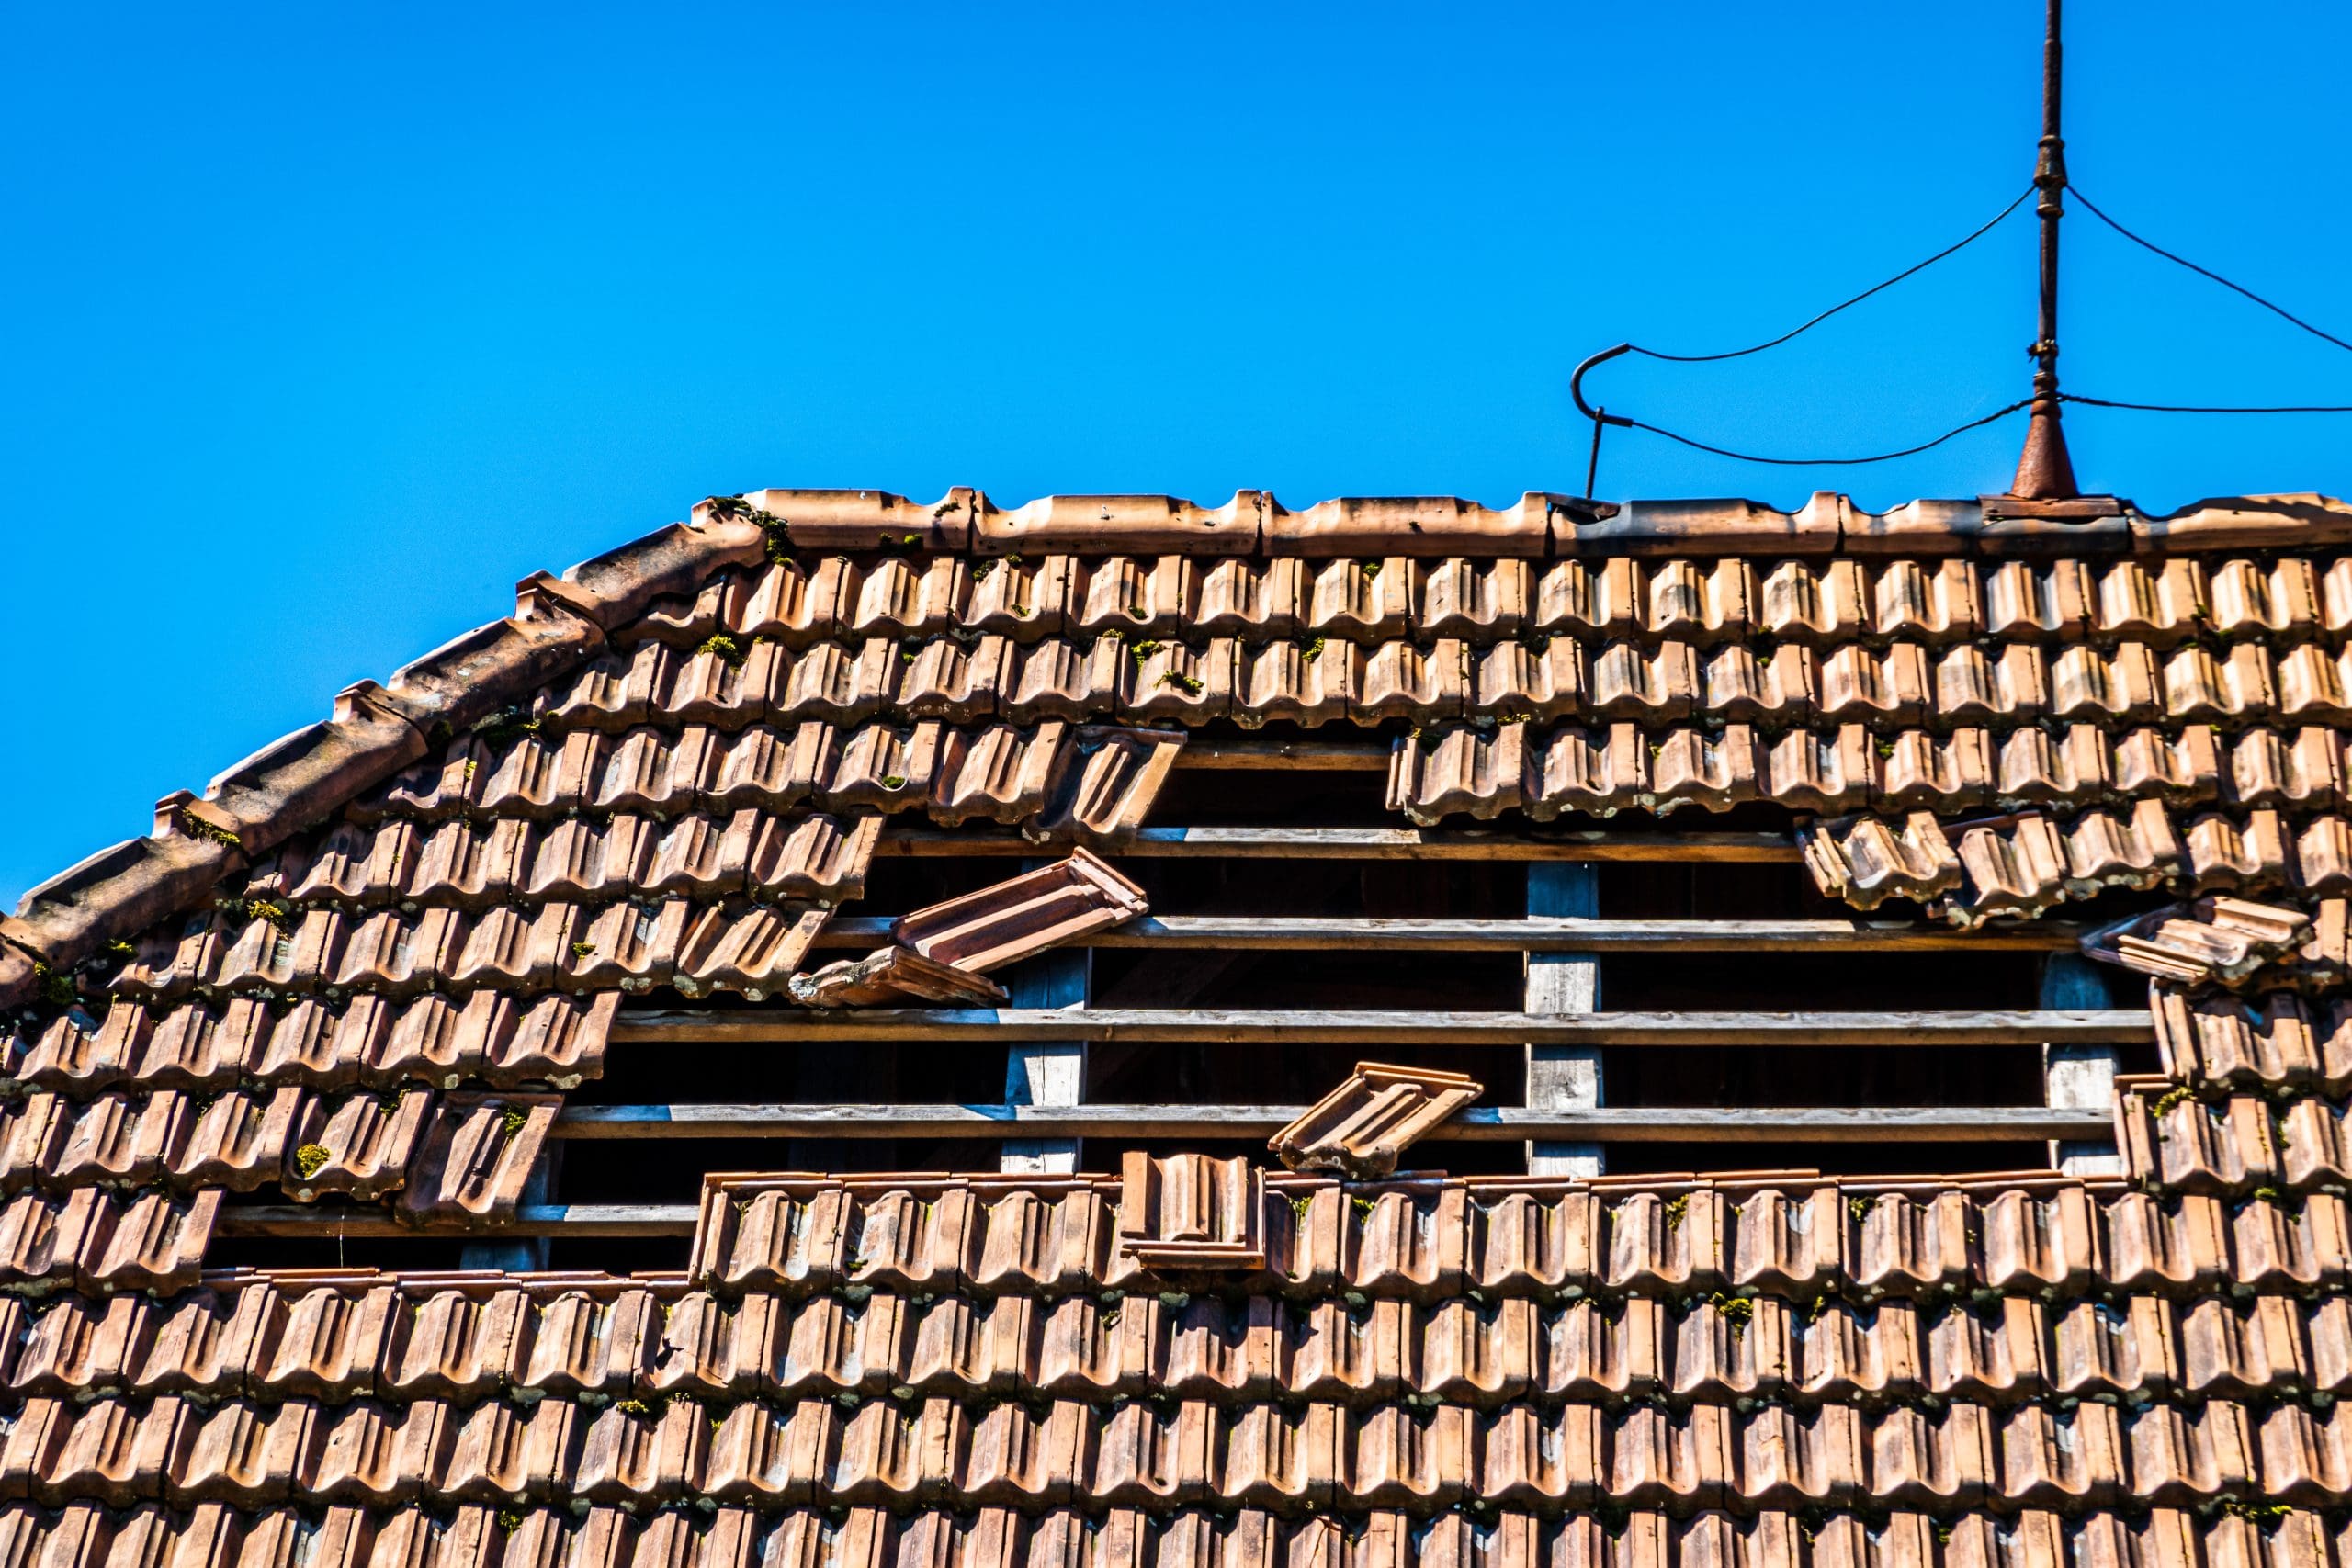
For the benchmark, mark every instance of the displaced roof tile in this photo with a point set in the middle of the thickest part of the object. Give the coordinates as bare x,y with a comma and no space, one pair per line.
1364,1124
1866,860
1009,921
1185,1213
894,974
2211,940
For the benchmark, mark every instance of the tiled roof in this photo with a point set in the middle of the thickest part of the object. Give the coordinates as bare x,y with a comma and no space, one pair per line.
854,651
367,963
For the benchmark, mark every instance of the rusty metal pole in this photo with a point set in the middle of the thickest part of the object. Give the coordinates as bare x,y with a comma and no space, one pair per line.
2044,470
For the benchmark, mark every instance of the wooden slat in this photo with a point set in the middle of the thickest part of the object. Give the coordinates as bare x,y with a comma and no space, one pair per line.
1480,1123
1290,756
1002,1024
571,1221
1313,932
1371,843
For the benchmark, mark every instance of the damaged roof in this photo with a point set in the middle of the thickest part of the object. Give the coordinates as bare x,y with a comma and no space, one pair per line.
368,963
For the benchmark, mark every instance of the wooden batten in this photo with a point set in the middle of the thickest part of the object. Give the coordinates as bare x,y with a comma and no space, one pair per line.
1268,1028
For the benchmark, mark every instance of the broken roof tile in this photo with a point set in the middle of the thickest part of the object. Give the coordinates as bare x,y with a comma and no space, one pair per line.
2210,940
894,974
359,1145
1363,1126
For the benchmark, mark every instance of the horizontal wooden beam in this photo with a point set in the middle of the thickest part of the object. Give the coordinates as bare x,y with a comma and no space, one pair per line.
1290,756
1479,1124
602,1221
1370,843
1318,932
880,1025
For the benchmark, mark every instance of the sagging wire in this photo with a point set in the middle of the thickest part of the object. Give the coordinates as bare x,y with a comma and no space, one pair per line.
1998,415
2092,207
1602,418
2204,408
1979,233
2205,272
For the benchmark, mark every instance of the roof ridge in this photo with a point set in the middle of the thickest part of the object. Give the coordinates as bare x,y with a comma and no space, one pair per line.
373,731
1541,525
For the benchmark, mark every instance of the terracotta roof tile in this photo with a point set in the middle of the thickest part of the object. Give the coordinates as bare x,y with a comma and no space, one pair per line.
94,1241
1295,1461
392,954
2279,1039
2028,861
1002,1537
1426,1241
894,974
68,918
1009,921
1866,860
461,1346
1365,1125
1180,1213
478,1151
2213,940
712,579
490,1036
359,1145
649,775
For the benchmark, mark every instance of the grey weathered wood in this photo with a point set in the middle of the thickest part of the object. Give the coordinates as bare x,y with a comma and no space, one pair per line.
2080,1076
1372,843
519,1255
1479,1124
1048,1072
1532,935
1563,1078
999,1025
1289,756
571,1221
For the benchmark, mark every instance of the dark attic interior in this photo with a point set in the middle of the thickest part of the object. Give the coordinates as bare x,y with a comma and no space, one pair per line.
700,1067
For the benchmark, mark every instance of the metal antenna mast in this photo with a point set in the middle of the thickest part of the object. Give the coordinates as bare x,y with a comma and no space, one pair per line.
2044,470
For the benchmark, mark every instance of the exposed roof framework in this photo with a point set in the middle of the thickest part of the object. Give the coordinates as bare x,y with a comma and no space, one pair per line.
1585,859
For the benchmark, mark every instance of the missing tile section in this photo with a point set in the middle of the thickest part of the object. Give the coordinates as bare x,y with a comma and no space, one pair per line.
2217,940
1360,1128
1009,921
1186,1214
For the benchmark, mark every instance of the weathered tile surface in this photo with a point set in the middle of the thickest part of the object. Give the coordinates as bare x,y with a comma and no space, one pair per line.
366,965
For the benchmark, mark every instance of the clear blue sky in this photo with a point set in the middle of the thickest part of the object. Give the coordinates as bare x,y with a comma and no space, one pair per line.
323,324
